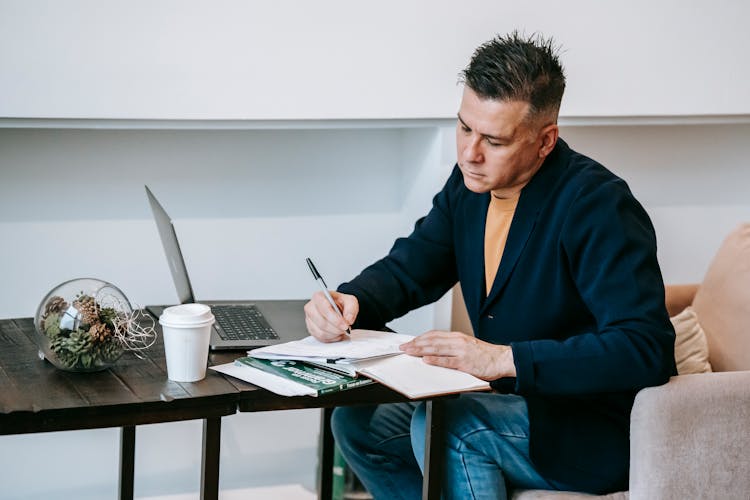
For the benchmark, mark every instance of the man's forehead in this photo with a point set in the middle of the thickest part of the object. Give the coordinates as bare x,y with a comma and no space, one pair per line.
493,117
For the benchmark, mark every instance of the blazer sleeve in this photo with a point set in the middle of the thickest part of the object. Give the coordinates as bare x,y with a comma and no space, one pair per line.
609,246
418,270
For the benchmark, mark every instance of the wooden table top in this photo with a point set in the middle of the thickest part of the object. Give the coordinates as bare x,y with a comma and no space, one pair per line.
36,397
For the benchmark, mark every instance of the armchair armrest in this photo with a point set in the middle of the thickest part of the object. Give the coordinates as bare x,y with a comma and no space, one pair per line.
678,297
689,438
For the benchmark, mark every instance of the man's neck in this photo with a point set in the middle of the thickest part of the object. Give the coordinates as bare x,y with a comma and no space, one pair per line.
515,190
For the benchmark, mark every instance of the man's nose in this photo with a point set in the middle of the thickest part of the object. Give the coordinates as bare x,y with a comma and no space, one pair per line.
472,151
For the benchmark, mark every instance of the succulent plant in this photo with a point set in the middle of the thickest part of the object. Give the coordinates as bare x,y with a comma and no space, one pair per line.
51,325
91,342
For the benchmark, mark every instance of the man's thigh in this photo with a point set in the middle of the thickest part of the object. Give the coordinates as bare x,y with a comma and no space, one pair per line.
382,427
505,414
495,426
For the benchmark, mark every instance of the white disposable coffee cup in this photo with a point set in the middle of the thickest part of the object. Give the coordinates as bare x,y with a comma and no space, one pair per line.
187,333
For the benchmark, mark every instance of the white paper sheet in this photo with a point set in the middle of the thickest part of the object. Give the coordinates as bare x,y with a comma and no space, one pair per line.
362,344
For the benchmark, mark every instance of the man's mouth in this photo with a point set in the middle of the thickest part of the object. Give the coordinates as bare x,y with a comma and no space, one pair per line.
473,174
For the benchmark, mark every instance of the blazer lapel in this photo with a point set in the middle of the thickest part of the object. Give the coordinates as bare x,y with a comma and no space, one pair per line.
472,279
520,229
532,199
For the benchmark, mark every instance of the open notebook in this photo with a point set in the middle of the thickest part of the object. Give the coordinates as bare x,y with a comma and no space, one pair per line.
415,379
369,353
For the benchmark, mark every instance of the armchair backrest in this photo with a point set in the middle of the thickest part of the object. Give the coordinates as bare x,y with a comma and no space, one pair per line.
722,303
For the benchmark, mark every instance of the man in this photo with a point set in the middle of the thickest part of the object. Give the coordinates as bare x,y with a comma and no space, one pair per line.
557,261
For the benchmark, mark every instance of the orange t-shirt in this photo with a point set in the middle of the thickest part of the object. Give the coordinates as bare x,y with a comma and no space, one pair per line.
499,216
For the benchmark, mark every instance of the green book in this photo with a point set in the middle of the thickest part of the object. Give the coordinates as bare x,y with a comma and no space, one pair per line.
317,380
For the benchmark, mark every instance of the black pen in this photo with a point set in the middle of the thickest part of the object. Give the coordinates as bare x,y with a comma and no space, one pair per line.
324,287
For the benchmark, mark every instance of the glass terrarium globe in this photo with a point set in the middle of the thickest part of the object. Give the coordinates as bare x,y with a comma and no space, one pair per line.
77,324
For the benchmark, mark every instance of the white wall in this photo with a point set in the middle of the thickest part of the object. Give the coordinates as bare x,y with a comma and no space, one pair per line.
295,59
72,203
694,181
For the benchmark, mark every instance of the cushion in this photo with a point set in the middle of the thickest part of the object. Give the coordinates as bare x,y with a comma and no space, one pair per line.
690,345
722,303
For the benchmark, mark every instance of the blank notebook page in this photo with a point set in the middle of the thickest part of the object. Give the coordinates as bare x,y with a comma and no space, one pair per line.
414,378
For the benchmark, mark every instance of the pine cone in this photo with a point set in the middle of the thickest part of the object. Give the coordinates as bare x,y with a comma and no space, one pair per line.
88,309
99,332
56,304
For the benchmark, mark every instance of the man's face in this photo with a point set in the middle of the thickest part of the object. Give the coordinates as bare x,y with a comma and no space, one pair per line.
498,150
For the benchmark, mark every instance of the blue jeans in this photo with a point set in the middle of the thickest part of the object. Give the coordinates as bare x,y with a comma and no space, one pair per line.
487,447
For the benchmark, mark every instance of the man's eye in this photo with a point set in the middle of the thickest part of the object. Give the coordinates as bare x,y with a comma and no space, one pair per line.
491,142
465,129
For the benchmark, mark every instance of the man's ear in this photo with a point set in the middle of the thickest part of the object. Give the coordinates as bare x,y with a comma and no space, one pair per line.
549,135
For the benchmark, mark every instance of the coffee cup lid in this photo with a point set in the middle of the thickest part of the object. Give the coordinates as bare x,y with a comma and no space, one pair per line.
186,315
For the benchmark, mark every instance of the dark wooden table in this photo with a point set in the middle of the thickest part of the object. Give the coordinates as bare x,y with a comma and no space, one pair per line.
37,397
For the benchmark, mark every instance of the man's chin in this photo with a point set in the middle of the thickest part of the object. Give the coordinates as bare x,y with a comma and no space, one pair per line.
475,186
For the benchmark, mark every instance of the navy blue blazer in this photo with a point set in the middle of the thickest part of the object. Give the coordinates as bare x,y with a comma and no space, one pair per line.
578,296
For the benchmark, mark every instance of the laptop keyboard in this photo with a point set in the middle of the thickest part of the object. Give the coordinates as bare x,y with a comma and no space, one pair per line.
242,322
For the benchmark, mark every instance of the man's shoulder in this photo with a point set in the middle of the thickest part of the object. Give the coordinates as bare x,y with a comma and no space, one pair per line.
583,172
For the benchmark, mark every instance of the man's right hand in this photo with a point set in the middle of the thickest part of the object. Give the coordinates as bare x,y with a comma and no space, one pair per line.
326,324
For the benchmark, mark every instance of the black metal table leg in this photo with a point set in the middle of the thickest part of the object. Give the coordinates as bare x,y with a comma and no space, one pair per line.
127,461
210,458
325,455
434,452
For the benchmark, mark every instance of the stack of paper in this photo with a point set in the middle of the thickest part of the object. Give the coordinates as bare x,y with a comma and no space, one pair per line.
290,377
361,344
374,354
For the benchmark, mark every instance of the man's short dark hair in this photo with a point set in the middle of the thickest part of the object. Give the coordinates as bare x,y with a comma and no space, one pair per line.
515,68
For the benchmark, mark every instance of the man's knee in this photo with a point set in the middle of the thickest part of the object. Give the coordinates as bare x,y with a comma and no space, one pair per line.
371,424
505,414
346,419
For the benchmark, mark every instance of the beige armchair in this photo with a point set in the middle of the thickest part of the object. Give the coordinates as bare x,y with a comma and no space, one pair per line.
690,438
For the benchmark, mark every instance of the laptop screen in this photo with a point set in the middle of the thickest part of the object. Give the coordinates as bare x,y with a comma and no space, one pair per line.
171,250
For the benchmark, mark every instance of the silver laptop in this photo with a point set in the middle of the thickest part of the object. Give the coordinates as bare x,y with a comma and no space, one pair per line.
239,324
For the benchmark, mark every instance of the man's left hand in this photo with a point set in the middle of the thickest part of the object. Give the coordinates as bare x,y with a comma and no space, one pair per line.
463,352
